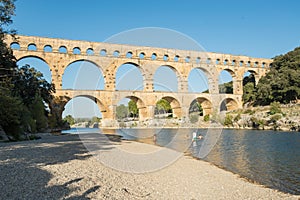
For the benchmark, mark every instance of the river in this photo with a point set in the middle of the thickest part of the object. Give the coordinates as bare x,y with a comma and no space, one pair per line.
269,158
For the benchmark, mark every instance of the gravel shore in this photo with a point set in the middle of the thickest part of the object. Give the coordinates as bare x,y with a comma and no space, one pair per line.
60,167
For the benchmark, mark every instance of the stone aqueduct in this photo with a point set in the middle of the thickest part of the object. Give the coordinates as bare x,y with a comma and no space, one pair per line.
59,53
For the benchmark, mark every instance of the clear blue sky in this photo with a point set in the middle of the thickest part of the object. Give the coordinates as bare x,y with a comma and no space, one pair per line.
264,28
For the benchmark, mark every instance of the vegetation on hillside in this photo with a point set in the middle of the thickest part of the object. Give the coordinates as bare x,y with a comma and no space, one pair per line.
282,83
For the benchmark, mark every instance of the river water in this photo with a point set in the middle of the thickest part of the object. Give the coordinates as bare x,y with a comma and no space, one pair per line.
268,158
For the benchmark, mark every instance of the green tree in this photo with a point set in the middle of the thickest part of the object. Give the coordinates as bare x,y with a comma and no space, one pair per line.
226,88
69,119
133,108
249,89
122,111
163,106
7,60
39,114
249,92
95,120
29,83
282,82
10,109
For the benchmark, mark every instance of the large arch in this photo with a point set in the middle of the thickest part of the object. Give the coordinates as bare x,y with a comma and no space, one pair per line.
126,73
85,60
83,75
175,106
205,104
226,81
141,106
166,78
228,104
250,76
83,106
198,80
38,63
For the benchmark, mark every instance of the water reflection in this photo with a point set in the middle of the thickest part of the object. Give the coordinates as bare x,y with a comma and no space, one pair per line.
266,157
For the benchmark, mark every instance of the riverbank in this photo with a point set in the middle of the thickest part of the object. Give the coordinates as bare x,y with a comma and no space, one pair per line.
60,167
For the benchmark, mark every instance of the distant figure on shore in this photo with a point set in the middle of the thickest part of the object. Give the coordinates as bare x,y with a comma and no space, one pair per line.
195,137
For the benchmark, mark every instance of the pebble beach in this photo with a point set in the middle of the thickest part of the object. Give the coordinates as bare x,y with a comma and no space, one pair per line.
60,167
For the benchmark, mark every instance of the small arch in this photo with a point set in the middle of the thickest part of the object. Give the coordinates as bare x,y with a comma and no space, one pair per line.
256,64
176,58
62,49
48,48
208,60
31,47
116,53
154,56
233,63
225,62
217,61
142,55
90,52
241,63
76,51
103,52
198,60
15,46
249,64
228,104
187,59
263,64
166,57
129,54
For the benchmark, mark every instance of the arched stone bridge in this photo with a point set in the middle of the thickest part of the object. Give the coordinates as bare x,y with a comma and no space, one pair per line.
59,53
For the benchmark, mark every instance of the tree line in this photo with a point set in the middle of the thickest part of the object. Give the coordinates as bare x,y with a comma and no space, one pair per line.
24,93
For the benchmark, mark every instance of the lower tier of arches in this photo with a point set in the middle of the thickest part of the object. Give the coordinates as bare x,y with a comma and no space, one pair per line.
178,104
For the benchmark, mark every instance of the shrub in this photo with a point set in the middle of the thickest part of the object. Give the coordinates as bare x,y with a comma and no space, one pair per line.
228,120
206,118
237,118
275,108
276,117
250,112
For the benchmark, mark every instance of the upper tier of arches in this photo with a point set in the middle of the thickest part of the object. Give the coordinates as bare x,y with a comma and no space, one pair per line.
135,52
